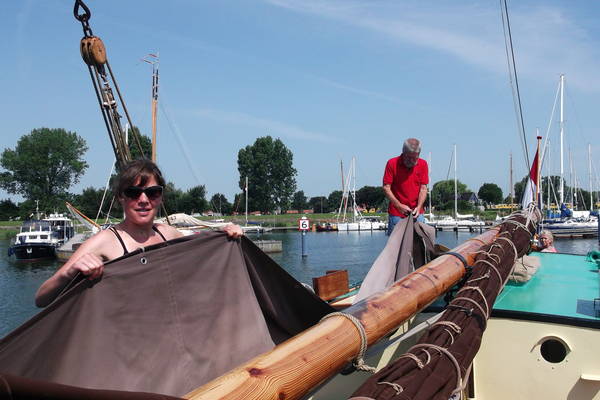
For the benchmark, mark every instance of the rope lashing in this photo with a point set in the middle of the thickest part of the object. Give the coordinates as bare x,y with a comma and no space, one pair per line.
478,290
487,253
359,362
399,389
450,356
514,248
493,267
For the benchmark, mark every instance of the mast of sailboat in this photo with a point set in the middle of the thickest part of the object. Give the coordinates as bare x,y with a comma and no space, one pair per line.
590,173
429,189
246,190
153,60
511,188
562,133
455,187
539,169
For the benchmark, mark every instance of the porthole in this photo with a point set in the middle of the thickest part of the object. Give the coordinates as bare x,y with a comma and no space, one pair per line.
143,260
553,350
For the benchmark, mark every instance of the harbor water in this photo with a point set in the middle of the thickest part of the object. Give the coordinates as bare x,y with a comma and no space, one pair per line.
354,251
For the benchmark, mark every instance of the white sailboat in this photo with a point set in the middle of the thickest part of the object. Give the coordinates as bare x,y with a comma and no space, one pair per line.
353,220
465,222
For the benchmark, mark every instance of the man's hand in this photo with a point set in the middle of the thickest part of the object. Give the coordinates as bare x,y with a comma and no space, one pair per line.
415,212
404,209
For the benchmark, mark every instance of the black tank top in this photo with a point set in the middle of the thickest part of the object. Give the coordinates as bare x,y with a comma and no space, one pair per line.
125,251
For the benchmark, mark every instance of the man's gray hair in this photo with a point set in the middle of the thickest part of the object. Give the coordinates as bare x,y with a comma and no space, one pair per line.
411,145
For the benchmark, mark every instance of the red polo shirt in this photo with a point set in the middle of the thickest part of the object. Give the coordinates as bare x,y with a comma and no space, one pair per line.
405,182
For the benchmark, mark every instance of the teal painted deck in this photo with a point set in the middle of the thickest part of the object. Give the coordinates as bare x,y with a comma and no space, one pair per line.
565,285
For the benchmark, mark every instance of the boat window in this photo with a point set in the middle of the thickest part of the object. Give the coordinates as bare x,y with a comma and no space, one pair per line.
43,236
33,237
553,350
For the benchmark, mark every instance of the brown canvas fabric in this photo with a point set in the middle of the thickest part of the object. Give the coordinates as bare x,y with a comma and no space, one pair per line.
458,331
165,320
409,247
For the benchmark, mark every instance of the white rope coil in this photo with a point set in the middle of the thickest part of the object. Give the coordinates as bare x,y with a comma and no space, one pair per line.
359,362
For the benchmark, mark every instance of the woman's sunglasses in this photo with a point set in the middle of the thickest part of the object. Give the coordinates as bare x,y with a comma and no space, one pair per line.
152,192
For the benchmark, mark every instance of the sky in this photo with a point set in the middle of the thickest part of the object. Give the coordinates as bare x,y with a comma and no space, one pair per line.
332,79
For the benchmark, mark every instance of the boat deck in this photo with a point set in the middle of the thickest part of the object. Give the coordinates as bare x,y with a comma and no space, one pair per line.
564,287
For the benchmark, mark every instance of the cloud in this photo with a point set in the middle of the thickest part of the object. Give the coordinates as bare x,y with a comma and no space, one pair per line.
269,126
547,39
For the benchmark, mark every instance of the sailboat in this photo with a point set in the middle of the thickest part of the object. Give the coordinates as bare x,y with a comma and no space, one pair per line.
466,222
355,221
540,337
571,224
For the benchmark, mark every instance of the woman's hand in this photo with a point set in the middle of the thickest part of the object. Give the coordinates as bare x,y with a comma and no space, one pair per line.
88,264
233,231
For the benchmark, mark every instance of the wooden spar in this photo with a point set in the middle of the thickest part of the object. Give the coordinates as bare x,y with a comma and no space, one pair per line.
295,367
82,215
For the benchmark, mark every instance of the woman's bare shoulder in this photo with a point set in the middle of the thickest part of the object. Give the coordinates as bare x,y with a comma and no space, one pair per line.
168,231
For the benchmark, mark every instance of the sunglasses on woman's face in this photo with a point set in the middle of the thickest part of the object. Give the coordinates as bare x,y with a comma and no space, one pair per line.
152,192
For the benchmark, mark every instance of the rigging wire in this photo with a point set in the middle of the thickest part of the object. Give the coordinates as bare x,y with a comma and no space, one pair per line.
512,71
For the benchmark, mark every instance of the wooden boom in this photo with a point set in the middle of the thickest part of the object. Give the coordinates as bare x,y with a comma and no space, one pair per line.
294,367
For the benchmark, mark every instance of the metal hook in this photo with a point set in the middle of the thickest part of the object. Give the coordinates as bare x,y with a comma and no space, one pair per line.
86,11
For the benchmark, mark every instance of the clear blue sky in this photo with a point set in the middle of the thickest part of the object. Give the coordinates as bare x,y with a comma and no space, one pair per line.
332,79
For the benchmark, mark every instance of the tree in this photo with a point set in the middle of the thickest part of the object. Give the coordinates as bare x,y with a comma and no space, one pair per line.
145,142
334,199
88,202
442,194
193,201
171,198
299,201
520,189
490,193
319,204
44,165
370,196
8,210
220,204
271,175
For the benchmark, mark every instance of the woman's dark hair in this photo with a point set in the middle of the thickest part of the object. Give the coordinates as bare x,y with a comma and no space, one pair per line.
144,169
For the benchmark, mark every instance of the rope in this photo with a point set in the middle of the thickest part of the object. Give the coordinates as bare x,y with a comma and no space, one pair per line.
478,290
453,359
359,362
483,313
513,247
399,389
500,280
487,253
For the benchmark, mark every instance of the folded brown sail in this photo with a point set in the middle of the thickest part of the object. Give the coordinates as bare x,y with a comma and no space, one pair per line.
164,320
439,364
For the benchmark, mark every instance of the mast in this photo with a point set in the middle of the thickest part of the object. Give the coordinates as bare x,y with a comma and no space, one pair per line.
539,169
429,188
246,201
455,187
511,187
153,60
590,173
562,133
571,180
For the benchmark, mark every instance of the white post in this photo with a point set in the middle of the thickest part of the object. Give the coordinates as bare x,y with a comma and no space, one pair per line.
562,132
455,188
246,201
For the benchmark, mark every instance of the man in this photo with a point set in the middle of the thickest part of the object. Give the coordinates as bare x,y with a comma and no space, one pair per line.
405,184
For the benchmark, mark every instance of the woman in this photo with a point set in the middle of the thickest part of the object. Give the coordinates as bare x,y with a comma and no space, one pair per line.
547,242
139,189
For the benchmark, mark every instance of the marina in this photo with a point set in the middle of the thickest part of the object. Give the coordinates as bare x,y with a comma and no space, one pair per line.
354,251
